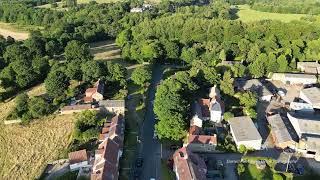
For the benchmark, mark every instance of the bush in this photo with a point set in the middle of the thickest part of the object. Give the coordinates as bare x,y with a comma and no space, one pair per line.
277,176
240,168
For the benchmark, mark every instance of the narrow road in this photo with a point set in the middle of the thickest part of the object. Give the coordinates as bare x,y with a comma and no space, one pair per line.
150,147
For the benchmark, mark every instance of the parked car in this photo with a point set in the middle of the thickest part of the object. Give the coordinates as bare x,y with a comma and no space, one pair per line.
139,162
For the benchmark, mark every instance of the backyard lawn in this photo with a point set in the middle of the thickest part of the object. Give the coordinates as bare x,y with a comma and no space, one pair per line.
248,15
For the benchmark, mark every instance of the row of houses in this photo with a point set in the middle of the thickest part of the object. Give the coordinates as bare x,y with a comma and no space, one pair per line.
105,163
107,156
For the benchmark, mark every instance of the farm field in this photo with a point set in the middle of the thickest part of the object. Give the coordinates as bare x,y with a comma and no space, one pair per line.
25,150
18,32
248,15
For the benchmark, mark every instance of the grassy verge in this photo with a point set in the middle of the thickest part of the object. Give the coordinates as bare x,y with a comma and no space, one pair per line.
248,15
166,173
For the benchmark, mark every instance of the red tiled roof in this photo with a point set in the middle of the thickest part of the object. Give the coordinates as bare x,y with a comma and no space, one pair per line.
91,90
194,130
105,130
88,99
204,105
189,165
78,156
202,139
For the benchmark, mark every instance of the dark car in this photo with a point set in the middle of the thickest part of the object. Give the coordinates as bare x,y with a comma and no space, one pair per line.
139,162
137,173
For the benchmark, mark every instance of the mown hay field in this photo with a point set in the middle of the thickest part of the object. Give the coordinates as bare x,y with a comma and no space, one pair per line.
248,15
25,150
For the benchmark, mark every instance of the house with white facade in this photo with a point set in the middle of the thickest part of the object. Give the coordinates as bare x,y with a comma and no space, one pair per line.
245,133
311,96
78,159
305,124
295,78
215,111
311,67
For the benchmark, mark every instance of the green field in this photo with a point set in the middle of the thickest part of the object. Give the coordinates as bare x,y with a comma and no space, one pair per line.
248,15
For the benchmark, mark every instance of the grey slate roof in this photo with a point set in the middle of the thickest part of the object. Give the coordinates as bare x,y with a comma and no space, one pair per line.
253,85
244,129
112,103
279,128
313,94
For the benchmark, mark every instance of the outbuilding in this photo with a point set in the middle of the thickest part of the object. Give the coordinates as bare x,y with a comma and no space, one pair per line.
245,133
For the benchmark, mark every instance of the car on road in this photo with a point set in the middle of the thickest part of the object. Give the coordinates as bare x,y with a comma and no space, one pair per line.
137,174
139,162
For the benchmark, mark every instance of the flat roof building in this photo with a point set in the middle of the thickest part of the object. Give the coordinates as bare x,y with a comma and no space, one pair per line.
309,67
305,123
279,131
245,133
311,96
295,78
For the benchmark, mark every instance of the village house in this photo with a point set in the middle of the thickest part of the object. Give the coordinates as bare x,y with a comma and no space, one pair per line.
311,96
305,124
280,134
78,159
201,143
254,85
107,156
202,109
295,78
188,166
106,162
245,133
78,108
95,93
309,67
112,106
310,147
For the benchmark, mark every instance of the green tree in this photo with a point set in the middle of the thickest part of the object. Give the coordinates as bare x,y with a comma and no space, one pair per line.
242,149
240,168
92,71
189,54
248,99
73,70
56,83
277,176
123,38
228,115
151,50
226,84
117,72
282,63
21,102
38,107
75,50
141,75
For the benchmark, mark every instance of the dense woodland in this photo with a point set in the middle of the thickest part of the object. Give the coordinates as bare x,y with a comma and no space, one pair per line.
196,34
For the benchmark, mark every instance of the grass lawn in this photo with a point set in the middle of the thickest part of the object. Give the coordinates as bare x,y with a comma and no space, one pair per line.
25,150
166,173
18,32
248,15
252,172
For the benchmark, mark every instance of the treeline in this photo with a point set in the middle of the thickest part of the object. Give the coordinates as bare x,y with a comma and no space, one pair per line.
263,47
